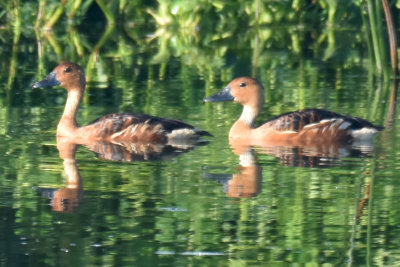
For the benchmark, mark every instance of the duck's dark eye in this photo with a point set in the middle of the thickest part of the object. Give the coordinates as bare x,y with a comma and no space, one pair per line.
68,69
242,85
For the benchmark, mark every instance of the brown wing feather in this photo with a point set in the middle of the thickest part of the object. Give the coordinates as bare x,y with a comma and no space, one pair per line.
334,129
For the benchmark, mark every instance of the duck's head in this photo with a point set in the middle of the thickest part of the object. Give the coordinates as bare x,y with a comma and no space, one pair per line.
67,75
244,90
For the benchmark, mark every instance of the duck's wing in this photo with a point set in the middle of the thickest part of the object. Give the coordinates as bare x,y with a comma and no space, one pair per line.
298,120
322,122
140,127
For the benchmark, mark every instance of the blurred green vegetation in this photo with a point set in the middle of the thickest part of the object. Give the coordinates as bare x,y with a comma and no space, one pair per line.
203,36
200,32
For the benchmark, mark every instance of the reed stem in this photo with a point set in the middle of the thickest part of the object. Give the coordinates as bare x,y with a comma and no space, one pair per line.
374,34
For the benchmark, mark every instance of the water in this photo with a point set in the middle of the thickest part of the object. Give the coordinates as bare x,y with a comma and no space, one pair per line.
203,207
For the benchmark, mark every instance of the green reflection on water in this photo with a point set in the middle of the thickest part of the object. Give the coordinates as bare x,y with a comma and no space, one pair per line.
167,212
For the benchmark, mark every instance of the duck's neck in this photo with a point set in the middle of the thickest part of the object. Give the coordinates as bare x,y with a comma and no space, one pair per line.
249,114
242,127
67,125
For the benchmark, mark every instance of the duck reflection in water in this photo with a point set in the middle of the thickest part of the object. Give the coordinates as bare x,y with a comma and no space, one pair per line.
66,199
247,182
307,138
244,184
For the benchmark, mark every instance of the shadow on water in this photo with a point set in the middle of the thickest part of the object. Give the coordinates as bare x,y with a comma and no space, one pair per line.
67,199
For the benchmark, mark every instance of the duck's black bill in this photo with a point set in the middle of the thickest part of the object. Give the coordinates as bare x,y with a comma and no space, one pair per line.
223,95
49,81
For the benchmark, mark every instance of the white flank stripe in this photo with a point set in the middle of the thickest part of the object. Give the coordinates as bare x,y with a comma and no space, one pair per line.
364,133
344,125
181,133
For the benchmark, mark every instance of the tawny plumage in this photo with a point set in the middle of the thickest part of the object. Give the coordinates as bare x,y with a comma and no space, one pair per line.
299,128
115,128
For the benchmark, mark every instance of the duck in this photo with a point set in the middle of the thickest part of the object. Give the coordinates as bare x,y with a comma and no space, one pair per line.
117,127
307,127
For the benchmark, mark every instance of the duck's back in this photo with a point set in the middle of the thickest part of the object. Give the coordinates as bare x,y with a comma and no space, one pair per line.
139,128
322,124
